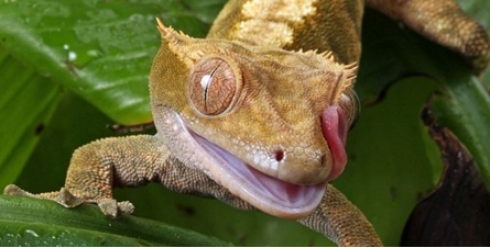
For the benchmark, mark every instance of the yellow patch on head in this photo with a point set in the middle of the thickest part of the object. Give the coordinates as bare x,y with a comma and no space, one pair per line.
274,18
282,11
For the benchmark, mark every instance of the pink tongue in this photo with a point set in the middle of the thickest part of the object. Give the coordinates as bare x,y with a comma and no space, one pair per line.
334,127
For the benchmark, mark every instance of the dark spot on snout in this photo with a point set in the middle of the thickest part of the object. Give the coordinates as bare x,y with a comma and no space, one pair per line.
279,155
323,160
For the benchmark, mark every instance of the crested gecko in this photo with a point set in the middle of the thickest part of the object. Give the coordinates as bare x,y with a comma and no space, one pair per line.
257,114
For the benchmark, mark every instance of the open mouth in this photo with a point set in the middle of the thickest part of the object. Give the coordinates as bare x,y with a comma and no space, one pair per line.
269,194
266,193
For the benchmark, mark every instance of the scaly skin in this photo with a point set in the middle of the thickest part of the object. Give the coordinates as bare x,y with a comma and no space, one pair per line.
443,22
249,98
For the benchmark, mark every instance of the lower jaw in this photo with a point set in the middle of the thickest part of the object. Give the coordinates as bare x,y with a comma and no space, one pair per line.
268,194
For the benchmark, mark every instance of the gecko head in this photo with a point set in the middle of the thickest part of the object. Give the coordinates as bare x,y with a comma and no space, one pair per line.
269,125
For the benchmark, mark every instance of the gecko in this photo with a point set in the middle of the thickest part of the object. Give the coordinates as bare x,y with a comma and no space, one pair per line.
257,113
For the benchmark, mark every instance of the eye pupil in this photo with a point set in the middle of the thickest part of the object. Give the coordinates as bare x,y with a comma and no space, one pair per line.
212,86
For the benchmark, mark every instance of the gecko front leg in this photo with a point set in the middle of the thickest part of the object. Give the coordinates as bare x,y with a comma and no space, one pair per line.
98,167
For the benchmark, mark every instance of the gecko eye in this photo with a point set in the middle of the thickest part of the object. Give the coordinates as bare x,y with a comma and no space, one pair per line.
350,102
213,86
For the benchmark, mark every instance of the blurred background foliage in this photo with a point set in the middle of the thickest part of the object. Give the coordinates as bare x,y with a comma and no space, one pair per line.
68,69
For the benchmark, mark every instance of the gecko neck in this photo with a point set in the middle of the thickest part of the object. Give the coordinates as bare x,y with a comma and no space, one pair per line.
289,26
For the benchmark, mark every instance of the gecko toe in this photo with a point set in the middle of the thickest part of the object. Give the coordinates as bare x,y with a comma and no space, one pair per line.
67,199
126,207
13,189
109,207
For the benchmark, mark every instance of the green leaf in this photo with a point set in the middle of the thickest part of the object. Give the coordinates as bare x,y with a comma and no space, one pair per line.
102,50
467,104
24,114
389,167
465,109
31,222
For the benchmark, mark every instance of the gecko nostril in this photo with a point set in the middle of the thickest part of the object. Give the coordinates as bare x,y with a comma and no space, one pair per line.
279,155
323,161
